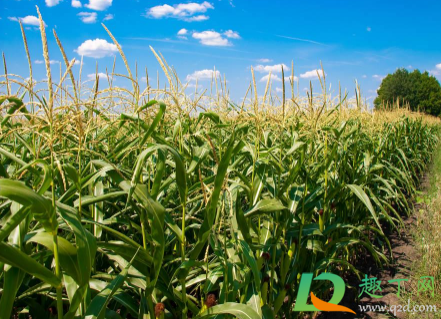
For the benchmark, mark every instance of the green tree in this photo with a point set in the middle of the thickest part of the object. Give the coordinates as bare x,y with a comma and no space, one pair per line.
420,90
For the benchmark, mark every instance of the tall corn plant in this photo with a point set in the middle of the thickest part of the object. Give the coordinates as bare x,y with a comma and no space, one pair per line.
157,211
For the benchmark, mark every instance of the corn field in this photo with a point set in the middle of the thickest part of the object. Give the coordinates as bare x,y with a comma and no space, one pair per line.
151,203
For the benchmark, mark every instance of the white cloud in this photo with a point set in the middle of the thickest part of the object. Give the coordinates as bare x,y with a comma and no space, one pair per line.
28,79
108,17
97,48
203,75
274,77
369,29
193,85
76,4
264,60
312,74
232,34
182,34
289,78
273,68
410,67
101,76
161,11
436,71
279,90
211,38
28,20
88,17
51,3
50,62
378,77
184,11
99,5
364,76
200,17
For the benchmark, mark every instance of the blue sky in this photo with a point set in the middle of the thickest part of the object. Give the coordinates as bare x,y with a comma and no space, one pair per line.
355,40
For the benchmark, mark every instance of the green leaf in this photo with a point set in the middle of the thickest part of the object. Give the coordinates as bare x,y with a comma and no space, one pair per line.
155,123
98,211
210,115
85,242
253,298
17,104
14,257
12,222
12,279
72,173
360,193
181,175
207,224
157,231
120,296
239,310
146,106
160,170
142,262
40,206
94,199
66,251
47,175
265,206
248,254
98,306
267,313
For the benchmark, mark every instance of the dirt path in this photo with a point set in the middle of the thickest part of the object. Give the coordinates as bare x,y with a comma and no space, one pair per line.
405,255
406,260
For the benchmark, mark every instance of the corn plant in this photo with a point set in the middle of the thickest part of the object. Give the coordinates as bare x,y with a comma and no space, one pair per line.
116,205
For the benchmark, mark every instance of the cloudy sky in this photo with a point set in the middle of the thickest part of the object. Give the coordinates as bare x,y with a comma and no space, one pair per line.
354,40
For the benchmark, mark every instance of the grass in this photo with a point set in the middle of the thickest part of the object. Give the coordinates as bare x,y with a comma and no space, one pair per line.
151,203
427,237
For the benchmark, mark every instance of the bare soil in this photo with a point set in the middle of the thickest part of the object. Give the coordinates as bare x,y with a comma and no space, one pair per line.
404,257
